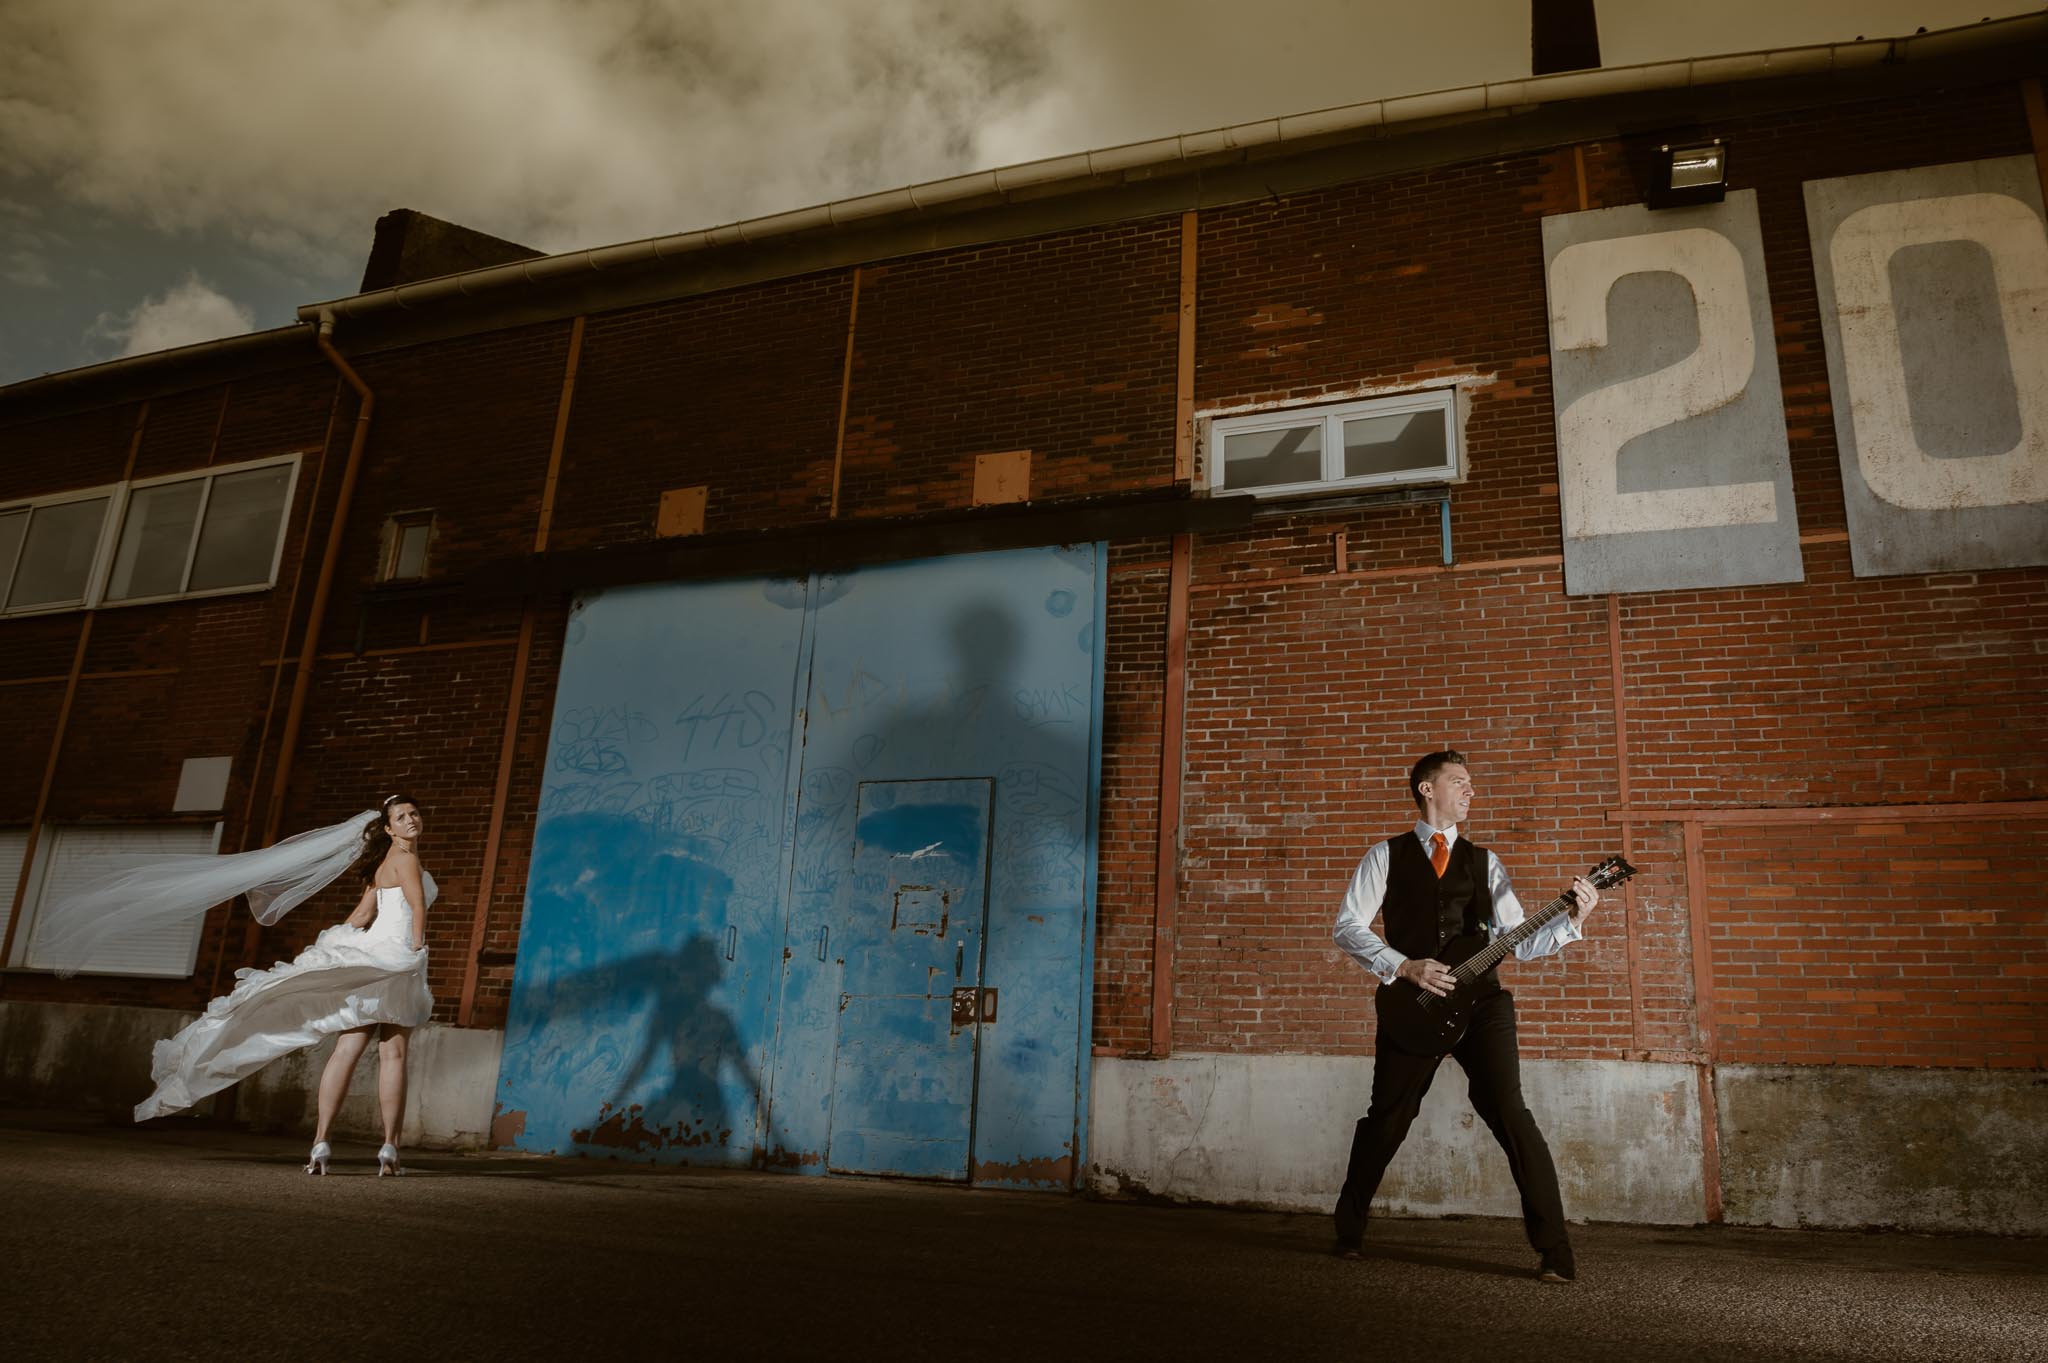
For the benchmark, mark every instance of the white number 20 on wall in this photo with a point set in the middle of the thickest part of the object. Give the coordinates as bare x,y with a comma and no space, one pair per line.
1593,429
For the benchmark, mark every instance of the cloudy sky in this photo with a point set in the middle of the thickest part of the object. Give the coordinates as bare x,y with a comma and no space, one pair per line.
177,170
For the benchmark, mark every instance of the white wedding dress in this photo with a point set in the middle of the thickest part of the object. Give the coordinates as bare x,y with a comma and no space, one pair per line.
349,977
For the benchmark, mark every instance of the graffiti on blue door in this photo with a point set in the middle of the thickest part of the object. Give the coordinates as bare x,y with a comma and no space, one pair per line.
811,877
903,1075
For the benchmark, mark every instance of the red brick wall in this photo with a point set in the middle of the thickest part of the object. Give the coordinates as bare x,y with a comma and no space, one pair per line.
1309,688
737,392
1880,943
161,683
1061,345
1310,691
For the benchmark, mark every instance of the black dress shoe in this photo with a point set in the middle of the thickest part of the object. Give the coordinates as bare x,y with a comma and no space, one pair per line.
1557,1266
1344,1249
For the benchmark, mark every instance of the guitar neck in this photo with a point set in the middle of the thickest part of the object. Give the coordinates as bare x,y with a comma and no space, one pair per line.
1496,951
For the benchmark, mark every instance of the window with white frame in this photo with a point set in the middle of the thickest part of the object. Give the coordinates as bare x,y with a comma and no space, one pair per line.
1377,442
186,534
190,535
50,549
70,856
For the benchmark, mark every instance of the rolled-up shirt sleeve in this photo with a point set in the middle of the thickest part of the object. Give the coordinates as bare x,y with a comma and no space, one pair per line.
1354,934
1548,940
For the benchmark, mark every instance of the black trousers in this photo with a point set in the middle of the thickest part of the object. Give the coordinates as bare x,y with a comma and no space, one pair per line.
1492,1063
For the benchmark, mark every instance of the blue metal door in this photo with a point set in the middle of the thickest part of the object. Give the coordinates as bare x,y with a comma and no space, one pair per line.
643,1002
796,839
903,1077
978,666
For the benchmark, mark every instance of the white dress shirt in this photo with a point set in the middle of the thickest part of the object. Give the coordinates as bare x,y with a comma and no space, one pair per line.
1369,886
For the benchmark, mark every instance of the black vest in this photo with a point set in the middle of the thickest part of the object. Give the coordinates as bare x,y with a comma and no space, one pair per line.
1423,912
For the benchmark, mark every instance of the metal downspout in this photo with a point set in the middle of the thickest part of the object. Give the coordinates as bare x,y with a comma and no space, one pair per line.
323,587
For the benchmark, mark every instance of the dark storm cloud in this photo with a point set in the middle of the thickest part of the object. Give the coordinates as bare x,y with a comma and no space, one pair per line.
556,123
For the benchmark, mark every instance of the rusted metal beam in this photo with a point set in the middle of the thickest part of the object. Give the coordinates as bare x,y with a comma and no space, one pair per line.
1619,697
845,392
1184,366
35,826
1703,1018
825,546
1172,739
508,738
49,781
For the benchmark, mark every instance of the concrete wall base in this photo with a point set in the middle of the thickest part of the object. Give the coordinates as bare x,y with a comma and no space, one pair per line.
1275,1131
96,1058
1811,1146
1860,1145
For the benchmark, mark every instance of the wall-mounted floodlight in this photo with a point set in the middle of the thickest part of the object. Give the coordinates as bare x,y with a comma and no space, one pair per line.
1689,173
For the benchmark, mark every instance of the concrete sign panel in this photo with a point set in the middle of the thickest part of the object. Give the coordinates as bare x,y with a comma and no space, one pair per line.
1934,299
1673,467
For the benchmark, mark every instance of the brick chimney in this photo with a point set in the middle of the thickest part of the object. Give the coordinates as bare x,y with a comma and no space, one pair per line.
412,246
1564,35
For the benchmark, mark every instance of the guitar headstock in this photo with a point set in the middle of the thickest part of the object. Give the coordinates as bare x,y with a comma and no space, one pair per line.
1611,872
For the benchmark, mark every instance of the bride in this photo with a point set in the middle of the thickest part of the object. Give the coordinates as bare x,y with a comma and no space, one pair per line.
365,977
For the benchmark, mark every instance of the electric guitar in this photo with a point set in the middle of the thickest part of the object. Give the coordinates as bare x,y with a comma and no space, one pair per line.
1423,1023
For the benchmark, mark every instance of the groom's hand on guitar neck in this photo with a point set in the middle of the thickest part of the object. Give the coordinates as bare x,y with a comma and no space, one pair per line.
1583,890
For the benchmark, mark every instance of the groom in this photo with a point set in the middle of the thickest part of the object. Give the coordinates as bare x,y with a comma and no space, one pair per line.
1431,885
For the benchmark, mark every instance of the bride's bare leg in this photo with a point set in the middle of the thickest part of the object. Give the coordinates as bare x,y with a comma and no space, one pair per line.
391,1049
348,1048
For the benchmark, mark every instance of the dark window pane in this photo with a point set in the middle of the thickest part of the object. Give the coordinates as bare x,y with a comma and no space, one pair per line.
57,557
154,541
11,527
1400,442
239,539
1273,458
410,559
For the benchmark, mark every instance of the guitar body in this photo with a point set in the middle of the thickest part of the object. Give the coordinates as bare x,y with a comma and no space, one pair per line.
1423,1023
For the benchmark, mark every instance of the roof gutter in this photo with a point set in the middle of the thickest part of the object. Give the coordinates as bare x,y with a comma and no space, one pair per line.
1169,155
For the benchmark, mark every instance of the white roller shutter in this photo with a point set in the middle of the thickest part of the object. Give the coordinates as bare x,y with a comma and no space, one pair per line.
13,846
78,854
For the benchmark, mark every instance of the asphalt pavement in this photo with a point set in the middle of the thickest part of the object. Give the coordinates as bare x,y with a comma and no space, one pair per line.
205,1243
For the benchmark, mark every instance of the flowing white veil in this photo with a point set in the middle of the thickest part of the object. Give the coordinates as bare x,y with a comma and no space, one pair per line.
139,893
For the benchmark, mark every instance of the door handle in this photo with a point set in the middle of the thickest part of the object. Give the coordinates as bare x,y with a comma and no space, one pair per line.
824,936
732,940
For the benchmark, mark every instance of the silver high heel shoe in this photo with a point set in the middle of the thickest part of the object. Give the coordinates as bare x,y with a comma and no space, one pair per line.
316,1163
387,1161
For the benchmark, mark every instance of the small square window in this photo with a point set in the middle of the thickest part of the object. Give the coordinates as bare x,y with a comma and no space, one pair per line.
1408,438
406,541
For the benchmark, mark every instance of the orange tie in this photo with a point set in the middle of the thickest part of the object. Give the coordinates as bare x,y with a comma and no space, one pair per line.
1439,853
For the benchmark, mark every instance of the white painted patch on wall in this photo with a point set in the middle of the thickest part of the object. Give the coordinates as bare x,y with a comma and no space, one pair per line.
1275,1131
